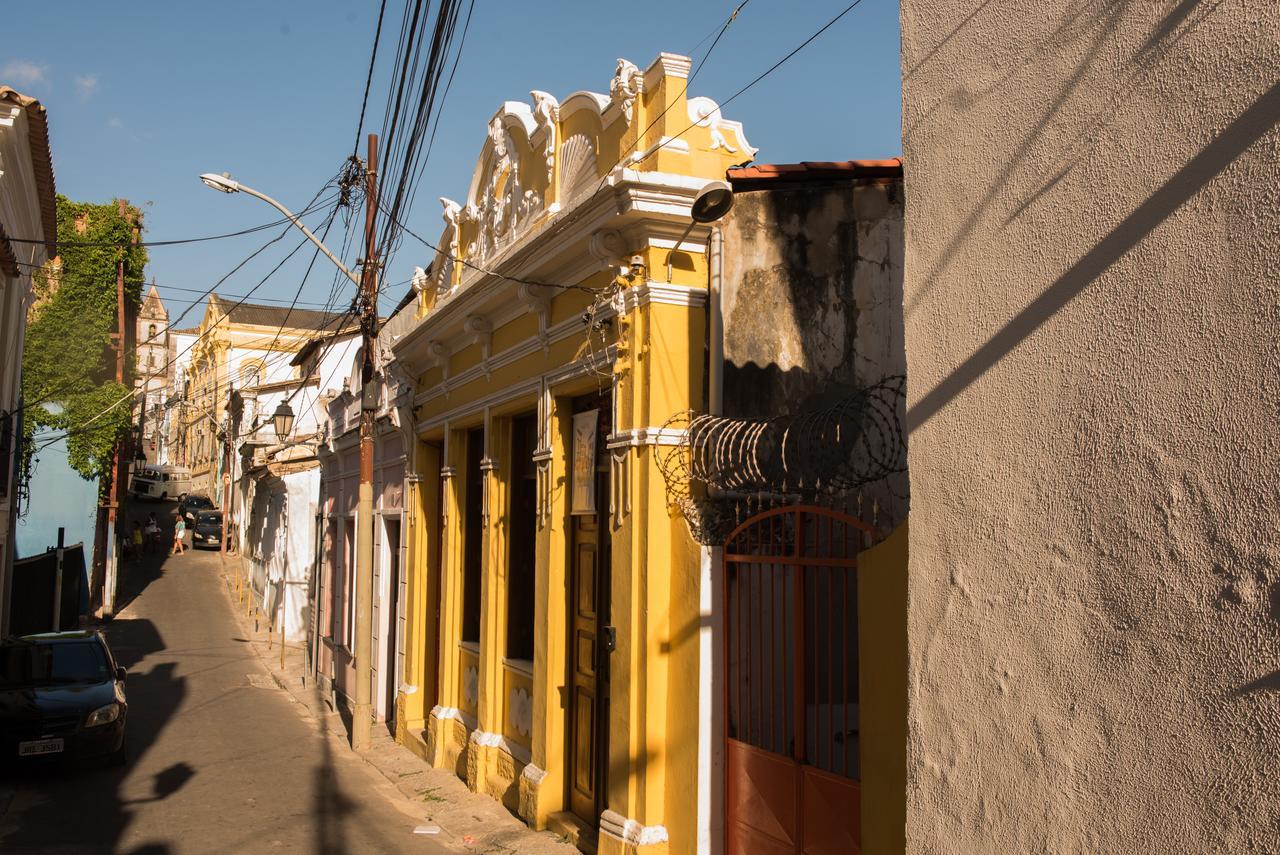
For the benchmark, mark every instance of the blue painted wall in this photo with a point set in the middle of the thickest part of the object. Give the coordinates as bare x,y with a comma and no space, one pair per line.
59,497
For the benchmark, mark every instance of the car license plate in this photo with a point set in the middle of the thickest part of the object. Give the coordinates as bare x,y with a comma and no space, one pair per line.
40,746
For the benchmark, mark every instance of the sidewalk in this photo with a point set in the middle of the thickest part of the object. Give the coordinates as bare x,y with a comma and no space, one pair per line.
468,822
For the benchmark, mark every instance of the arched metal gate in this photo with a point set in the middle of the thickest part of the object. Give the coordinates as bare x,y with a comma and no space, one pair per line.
791,683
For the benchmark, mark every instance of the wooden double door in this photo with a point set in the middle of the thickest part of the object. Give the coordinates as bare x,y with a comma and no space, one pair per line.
590,641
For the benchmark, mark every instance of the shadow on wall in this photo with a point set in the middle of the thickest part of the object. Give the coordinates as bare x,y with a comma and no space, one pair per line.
813,305
1247,128
826,318
1093,25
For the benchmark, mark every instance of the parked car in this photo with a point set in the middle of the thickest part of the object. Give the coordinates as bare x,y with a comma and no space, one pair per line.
61,696
192,505
207,530
161,482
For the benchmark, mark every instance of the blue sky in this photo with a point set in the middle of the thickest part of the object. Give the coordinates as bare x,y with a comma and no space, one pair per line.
144,96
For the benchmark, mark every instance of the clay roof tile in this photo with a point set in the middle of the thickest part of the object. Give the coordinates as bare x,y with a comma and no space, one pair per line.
763,175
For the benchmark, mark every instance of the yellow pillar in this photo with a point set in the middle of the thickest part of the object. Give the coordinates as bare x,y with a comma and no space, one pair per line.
446,733
422,634
489,769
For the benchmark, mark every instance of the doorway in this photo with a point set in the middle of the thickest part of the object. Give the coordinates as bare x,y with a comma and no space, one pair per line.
792,731
392,630
589,641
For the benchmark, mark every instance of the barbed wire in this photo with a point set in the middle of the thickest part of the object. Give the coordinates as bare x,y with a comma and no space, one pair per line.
723,470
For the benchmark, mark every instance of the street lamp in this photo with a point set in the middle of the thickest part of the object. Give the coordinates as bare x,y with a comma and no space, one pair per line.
222,183
362,714
283,418
712,202
226,184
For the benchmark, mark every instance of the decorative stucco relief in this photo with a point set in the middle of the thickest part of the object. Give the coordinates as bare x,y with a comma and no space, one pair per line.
471,686
546,114
626,86
520,711
705,113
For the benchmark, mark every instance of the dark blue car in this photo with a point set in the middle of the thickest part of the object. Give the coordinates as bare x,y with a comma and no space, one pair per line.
61,696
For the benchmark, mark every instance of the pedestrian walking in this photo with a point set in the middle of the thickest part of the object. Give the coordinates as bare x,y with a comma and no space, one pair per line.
152,532
179,536
136,539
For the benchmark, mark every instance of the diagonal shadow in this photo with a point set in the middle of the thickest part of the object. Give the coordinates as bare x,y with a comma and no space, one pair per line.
1244,131
1266,683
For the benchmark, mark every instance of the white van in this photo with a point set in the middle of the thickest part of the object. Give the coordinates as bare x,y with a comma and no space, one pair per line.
161,482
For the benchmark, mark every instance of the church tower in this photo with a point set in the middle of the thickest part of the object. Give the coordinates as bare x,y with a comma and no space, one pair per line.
153,371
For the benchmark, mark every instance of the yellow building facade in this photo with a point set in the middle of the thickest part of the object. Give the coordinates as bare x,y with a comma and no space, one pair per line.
552,600
240,346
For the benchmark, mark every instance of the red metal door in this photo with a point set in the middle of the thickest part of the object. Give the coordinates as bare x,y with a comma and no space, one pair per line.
791,683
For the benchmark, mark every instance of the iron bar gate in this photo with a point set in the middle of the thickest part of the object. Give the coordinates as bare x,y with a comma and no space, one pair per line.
791,682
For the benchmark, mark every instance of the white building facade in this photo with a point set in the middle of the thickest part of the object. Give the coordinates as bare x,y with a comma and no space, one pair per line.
28,211
277,480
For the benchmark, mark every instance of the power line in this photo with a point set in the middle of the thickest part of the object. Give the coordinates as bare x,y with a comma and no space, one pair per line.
435,125
429,245
133,392
688,81
373,58
311,208
765,73
404,160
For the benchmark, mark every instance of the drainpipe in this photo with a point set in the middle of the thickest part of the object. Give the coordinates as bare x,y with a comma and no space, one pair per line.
710,828
715,379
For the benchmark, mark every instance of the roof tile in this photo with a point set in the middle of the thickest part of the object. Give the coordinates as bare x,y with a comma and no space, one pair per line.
759,176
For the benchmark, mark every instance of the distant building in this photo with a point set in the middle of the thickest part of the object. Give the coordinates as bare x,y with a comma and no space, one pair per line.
278,492
238,346
154,371
27,210
173,438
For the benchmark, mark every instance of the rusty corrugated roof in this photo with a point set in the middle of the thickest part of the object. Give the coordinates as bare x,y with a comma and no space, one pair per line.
764,175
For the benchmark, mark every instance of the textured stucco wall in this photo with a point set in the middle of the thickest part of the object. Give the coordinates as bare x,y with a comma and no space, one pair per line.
812,303
1091,323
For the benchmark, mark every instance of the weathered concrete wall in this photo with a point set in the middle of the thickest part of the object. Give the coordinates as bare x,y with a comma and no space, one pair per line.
1092,318
812,302
812,294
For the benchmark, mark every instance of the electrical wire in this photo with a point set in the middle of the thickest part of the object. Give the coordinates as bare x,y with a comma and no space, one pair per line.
133,392
490,272
763,74
688,81
311,208
368,81
406,126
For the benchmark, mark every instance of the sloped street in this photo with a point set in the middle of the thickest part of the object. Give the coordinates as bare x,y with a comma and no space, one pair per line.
220,760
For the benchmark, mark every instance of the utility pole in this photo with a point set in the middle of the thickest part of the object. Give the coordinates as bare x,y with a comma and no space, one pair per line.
231,432
226,480
116,494
362,715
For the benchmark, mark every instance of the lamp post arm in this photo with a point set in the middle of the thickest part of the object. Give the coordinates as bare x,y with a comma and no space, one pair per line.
293,219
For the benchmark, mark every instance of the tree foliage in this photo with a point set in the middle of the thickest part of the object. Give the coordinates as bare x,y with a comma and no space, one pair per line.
68,362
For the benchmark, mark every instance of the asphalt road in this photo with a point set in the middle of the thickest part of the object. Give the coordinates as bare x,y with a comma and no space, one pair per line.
220,760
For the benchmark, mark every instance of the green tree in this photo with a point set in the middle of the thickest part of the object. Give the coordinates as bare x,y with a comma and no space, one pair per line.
68,362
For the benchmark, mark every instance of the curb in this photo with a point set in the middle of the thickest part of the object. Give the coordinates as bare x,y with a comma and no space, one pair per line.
468,822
